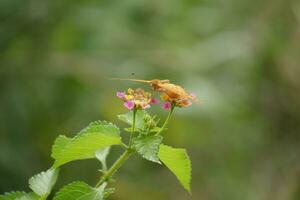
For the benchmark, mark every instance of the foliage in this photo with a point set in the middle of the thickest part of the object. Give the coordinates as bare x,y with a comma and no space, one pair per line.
144,123
148,146
43,182
95,141
19,196
101,155
178,162
84,145
80,191
41,185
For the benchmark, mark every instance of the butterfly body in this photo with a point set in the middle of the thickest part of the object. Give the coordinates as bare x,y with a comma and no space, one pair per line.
172,90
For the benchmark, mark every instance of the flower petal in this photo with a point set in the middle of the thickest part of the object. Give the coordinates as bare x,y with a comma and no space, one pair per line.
120,95
129,104
167,105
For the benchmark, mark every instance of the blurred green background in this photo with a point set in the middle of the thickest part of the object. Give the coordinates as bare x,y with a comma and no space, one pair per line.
242,59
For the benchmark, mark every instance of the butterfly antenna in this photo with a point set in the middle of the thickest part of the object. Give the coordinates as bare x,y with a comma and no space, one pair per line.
129,79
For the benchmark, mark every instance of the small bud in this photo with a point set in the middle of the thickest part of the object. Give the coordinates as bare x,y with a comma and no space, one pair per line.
130,91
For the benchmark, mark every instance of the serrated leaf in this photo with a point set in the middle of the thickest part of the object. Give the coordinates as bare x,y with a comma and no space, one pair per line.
103,127
83,146
12,195
43,182
19,196
177,160
148,146
59,144
80,191
30,196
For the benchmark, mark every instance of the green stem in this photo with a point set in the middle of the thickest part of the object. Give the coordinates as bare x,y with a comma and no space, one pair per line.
167,120
118,163
115,167
124,145
133,127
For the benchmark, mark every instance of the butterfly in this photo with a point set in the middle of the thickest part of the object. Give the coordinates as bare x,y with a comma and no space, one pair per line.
171,91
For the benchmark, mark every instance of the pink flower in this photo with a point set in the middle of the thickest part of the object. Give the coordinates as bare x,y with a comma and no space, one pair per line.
136,99
120,95
153,101
129,105
167,105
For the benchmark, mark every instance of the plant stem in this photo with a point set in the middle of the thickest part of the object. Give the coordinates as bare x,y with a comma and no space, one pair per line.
118,163
167,120
133,127
115,167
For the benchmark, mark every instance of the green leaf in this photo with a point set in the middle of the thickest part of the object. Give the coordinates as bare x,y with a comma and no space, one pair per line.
148,146
177,160
139,118
144,123
30,196
83,146
12,195
59,144
101,155
19,196
103,127
43,182
80,191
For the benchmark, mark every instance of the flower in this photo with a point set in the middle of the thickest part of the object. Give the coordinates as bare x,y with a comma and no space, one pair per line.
129,105
175,94
167,105
138,99
179,101
120,95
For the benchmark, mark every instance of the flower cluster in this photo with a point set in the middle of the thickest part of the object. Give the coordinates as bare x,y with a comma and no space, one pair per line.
177,100
137,99
172,95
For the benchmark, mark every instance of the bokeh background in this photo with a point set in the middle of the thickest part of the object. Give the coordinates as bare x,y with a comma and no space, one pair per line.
242,58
